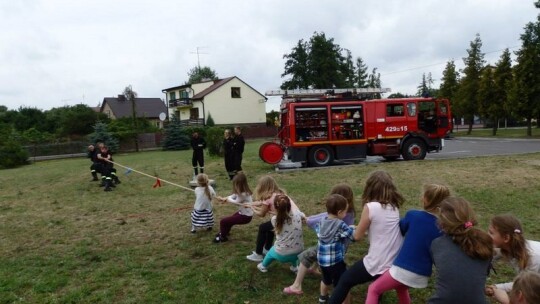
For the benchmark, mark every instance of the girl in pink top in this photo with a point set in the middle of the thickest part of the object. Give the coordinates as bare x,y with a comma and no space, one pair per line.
380,219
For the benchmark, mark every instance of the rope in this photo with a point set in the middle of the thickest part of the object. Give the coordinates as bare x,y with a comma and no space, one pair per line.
142,173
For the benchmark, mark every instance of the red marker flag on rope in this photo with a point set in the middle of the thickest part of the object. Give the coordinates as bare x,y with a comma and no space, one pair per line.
157,184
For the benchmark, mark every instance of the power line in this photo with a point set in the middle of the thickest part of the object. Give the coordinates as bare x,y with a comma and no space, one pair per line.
435,64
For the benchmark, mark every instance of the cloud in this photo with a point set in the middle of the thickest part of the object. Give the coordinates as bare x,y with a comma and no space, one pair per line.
57,51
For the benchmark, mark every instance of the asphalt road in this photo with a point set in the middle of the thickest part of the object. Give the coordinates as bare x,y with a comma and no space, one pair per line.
469,147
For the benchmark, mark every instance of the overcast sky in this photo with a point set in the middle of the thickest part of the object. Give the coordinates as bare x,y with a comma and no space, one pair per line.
65,52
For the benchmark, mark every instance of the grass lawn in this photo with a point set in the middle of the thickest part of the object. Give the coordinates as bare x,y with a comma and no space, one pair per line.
64,240
520,132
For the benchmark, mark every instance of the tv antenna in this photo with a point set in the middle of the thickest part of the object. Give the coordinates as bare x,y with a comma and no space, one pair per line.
198,52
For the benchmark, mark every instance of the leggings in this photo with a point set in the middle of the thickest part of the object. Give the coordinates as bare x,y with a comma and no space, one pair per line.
226,223
355,275
384,283
265,237
273,255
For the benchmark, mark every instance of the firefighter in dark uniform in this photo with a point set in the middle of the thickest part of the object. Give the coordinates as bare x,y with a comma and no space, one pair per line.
198,144
238,149
228,153
108,174
94,168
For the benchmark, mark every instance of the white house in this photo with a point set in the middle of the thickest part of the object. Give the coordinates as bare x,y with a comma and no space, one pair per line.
230,101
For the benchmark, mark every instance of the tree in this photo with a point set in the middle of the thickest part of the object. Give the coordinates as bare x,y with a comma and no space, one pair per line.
198,74
12,153
296,65
468,92
486,97
526,90
325,62
29,118
503,79
374,81
210,121
450,82
174,137
101,134
130,96
72,121
361,73
348,71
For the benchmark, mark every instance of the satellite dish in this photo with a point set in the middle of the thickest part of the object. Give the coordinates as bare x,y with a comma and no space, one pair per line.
162,116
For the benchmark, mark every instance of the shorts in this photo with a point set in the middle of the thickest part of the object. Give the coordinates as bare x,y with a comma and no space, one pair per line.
331,274
308,257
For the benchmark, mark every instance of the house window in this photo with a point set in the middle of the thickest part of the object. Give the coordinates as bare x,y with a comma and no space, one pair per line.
184,95
235,92
172,95
194,113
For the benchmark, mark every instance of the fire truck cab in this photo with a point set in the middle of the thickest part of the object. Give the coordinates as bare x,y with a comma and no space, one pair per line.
320,126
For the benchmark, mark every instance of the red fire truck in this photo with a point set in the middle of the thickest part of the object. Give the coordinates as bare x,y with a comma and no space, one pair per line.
320,126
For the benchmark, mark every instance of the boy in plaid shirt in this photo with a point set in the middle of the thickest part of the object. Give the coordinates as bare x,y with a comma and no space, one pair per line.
334,236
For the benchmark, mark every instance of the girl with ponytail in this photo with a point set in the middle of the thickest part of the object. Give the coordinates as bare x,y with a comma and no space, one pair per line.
462,255
510,245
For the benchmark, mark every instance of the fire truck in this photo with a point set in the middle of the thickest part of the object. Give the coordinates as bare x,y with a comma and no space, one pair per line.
317,127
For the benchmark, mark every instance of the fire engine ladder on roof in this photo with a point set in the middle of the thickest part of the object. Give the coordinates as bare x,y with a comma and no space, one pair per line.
320,92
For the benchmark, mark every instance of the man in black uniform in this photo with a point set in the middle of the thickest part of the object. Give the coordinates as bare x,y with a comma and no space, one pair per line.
238,149
94,168
108,172
197,144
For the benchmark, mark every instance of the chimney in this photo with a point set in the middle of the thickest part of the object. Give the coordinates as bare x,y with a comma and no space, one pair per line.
121,98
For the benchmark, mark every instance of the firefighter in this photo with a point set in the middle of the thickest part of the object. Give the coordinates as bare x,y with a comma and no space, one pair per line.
108,173
94,168
228,153
238,149
197,144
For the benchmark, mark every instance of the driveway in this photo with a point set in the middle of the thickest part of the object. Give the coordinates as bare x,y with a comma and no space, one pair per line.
460,147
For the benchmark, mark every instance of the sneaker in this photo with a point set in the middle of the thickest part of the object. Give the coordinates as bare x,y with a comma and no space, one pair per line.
323,299
220,239
193,230
255,257
294,268
262,268
265,251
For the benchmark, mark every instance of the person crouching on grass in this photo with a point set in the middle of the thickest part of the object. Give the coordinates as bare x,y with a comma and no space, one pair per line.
289,239
334,235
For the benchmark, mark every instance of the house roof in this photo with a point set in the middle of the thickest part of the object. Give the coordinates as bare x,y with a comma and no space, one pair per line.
146,107
218,83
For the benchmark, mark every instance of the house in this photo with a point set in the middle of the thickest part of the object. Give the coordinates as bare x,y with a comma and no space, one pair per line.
149,108
230,101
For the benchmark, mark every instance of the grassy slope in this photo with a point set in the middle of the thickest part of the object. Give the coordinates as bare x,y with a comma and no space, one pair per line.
64,240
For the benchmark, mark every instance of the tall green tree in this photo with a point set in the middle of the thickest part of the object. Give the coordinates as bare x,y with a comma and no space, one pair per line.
486,97
321,64
374,81
349,71
102,134
468,91
425,88
526,90
174,137
325,62
296,65
72,121
361,73
450,81
198,74
502,81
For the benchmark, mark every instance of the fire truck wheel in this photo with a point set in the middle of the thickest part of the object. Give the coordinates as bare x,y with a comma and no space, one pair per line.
320,156
414,149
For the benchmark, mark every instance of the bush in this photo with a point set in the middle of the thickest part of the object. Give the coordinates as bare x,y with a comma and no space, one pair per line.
175,136
101,134
214,140
12,154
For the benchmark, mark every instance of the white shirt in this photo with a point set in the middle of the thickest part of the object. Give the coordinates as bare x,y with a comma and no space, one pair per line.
240,199
534,263
290,239
202,202
384,238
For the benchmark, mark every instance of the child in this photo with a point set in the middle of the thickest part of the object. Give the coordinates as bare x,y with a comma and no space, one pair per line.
241,196
202,215
308,257
526,288
289,241
507,234
333,234
380,219
266,191
412,266
462,255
